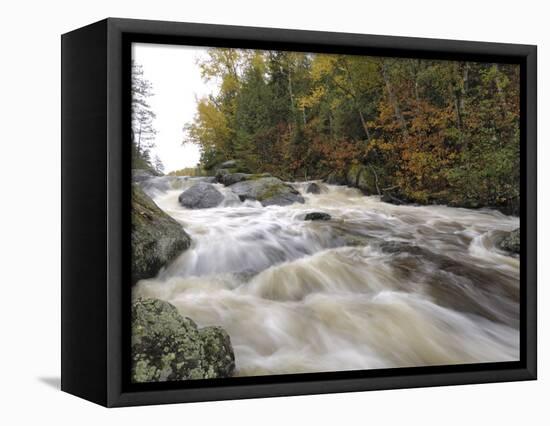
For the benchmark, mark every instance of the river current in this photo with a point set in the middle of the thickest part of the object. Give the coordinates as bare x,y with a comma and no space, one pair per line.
377,286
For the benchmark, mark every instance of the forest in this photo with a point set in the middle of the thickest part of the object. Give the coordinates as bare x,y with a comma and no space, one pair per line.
425,131
432,131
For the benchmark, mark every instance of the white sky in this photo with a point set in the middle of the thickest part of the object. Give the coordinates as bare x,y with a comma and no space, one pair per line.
177,85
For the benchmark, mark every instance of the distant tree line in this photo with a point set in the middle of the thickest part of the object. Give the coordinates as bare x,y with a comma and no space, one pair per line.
436,131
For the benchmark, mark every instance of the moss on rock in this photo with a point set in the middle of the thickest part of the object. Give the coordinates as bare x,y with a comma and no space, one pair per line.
167,346
268,190
157,239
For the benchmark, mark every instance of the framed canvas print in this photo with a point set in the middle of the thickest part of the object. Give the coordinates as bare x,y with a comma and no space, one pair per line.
253,212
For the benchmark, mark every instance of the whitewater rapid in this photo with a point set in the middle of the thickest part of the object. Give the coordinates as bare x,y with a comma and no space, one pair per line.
377,286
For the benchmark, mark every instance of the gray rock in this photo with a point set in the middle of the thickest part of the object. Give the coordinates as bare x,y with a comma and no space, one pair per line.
157,239
202,195
317,216
220,173
167,346
313,188
511,242
268,191
231,178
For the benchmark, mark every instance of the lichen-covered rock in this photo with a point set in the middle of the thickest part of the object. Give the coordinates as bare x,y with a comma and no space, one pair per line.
202,195
313,188
268,191
511,242
317,216
167,346
157,239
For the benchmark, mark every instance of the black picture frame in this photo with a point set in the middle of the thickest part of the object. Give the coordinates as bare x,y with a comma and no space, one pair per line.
96,202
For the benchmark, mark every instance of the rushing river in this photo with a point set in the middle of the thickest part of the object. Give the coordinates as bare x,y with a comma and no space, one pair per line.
377,286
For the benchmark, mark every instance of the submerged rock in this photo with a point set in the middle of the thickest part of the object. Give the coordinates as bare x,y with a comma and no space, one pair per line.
511,242
168,346
157,239
317,216
202,195
313,188
268,191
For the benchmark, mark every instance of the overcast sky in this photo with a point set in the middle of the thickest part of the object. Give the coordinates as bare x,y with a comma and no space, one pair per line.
177,85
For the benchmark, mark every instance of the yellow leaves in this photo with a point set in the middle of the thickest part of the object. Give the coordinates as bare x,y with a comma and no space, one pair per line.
229,84
322,66
313,99
210,127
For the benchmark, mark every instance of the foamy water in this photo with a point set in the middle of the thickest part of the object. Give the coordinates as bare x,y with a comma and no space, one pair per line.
377,286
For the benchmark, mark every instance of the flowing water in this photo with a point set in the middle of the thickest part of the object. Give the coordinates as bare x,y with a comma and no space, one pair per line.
377,286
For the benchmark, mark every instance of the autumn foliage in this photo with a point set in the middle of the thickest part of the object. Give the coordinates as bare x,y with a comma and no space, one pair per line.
436,131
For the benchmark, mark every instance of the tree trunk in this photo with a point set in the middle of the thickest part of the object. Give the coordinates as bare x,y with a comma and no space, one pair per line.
393,101
364,123
353,93
291,93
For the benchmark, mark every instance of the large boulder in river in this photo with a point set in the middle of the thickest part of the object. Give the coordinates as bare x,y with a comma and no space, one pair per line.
313,188
511,242
167,346
268,191
157,239
230,178
202,195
